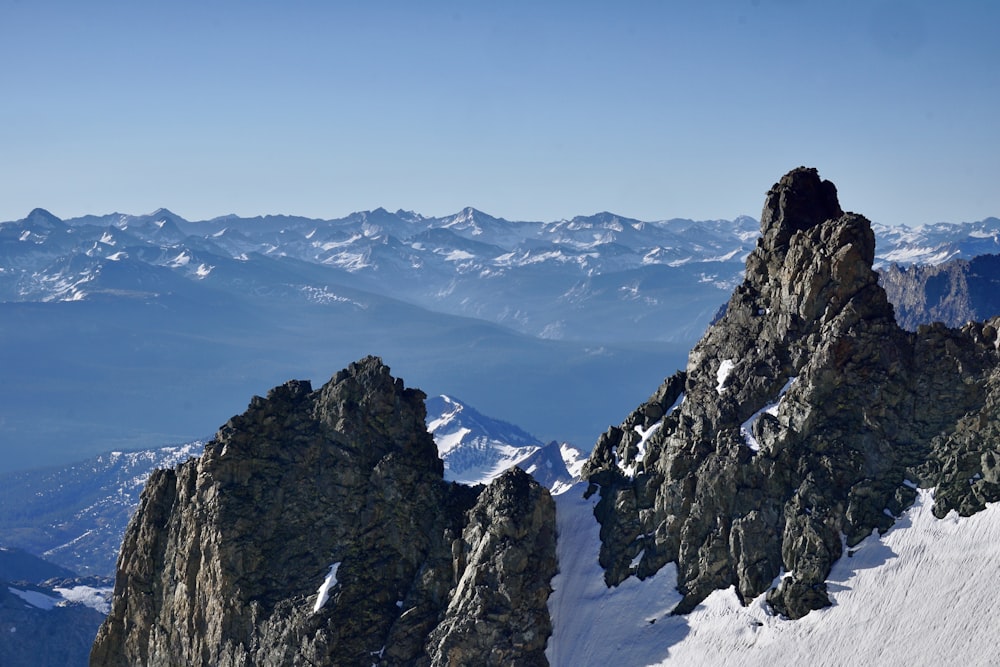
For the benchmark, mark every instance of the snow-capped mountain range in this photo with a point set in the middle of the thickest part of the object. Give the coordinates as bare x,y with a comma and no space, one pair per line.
131,331
536,277
476,449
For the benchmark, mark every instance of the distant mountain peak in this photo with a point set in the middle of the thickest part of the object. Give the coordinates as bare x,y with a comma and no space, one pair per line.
39,217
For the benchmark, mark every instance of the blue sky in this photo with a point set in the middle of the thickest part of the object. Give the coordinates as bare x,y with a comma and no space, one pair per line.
526,110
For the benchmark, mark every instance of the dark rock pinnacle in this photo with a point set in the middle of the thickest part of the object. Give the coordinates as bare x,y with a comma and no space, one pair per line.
802,419
224,561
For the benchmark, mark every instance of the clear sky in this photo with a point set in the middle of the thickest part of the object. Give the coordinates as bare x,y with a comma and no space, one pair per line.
526,110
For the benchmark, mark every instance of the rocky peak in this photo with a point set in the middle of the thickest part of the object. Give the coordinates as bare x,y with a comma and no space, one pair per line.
804,414
798,202
317,529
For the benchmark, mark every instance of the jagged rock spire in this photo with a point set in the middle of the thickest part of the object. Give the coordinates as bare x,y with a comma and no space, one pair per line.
799,201
799,416
317,529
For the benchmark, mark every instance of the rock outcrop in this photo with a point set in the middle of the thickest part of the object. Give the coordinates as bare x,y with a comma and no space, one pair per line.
317,529
803,420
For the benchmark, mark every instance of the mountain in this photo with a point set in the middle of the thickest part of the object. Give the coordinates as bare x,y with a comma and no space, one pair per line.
475,449
48,615
318,527
937,243
75,515
804,424
128,331
955,292
807,430
537,278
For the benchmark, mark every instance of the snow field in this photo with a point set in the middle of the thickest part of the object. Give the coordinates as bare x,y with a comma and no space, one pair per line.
924,593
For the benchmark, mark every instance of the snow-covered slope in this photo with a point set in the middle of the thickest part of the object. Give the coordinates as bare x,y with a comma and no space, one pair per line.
476,448
923,593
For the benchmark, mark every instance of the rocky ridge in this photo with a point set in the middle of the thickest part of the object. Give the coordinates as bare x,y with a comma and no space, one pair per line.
803,421
317,529
955,292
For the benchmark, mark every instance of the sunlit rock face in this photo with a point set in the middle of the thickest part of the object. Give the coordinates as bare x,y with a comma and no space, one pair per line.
317,529
801,423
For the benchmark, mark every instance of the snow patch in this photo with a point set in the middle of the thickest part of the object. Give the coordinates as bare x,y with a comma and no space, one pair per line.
746,428
458,256
573,458
725,368
183,259
629,468
95,598
35,599
323,594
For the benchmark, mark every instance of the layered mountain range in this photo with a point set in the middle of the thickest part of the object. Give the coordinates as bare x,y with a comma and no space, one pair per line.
317,527
131,331
543,276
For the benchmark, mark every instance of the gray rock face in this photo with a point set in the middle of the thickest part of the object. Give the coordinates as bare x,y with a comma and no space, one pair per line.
223,562
802,414
956,292
498,614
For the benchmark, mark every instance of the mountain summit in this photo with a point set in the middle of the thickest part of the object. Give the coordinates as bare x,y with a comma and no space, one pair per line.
317,527
804,421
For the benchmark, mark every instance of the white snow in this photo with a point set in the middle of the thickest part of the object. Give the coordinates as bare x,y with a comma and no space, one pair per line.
573,458
95,598
203,270
180,260
923,593
725,368
35,599
458,256
591,623
746,428
323,594
118,256
629,468
449,441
